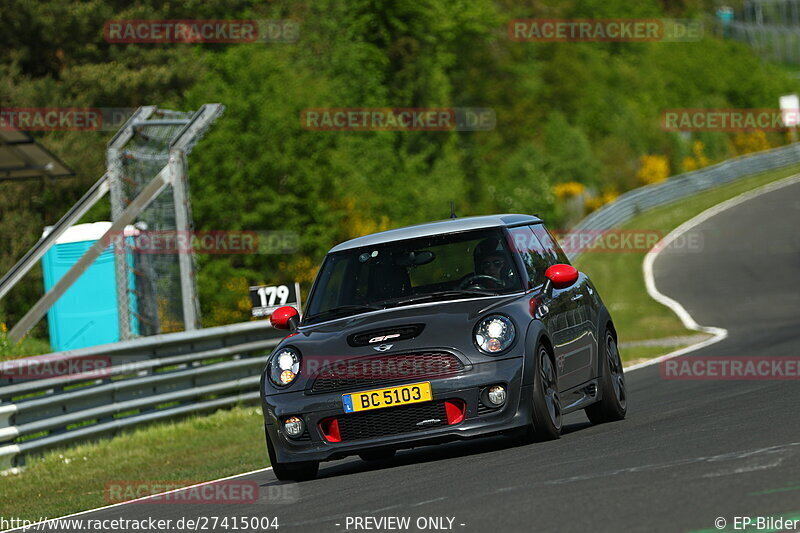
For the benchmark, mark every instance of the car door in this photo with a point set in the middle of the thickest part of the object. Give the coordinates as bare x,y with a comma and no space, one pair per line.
557,307
577,345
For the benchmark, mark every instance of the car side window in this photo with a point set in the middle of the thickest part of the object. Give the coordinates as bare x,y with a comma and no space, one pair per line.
551,247
532,253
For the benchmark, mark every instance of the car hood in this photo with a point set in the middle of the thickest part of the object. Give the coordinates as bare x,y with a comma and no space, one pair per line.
444,324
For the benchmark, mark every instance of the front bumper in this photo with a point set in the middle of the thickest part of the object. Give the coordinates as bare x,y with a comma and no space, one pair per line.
466,386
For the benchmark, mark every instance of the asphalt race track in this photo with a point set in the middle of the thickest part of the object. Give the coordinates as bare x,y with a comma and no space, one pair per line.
689,452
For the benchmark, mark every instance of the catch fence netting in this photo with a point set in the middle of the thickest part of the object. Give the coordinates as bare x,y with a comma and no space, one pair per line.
154,285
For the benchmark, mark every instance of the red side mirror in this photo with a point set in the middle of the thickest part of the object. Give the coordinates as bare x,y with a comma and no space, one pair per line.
283,317
562,276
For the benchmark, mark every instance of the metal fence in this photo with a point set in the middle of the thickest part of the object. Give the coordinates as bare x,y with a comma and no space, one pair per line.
154,378
770,27
149,302
638,200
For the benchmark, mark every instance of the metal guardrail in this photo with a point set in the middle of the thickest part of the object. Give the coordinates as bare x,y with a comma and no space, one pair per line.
154,378
638,200
167,376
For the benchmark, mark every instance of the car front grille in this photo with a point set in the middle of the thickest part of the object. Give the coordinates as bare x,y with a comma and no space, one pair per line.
365,372
392,421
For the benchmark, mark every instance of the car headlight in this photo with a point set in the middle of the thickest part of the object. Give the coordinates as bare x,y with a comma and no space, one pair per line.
284,366
494,334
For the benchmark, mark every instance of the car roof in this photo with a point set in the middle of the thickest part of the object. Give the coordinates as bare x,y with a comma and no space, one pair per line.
452,225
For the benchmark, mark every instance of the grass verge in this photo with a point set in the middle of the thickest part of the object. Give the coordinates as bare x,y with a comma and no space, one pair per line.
196,449
23,348
618,276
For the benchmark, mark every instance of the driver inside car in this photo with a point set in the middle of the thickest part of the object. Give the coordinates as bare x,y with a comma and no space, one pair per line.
493,265
491,259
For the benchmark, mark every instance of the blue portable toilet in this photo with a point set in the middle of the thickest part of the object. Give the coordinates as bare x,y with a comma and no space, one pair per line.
725,15
86,314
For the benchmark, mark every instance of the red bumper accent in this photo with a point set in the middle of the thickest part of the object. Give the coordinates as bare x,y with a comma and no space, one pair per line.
455,411
330,430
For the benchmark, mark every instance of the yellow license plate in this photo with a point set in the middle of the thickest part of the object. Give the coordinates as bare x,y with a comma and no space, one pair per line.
389,397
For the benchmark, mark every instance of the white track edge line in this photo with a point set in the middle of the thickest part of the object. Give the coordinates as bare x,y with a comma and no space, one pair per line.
717,333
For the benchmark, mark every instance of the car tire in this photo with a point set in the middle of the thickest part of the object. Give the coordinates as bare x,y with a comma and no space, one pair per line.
613,404
377,455
300,471
545,402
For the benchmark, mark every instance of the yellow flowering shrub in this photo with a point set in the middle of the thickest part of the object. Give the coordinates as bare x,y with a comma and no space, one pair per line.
569,189
751,141
652,169
698,159
166,322
301,269
358,225
5,343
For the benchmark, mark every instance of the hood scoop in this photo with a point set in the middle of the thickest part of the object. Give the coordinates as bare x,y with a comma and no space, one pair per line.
391,334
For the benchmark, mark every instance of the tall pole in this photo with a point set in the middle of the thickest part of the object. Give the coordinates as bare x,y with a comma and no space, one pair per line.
184,229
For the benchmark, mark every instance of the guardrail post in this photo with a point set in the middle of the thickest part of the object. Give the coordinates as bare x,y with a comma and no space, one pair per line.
7,456
7,412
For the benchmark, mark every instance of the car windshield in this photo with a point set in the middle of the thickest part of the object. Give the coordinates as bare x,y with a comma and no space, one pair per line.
441,267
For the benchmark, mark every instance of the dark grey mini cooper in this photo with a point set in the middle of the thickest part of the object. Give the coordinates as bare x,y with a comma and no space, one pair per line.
447,330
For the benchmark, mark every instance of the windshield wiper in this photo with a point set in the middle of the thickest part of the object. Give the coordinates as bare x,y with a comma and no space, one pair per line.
445,294
343,309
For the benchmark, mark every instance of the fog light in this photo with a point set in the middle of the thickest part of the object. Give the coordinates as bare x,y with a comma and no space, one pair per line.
293,426
497,395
